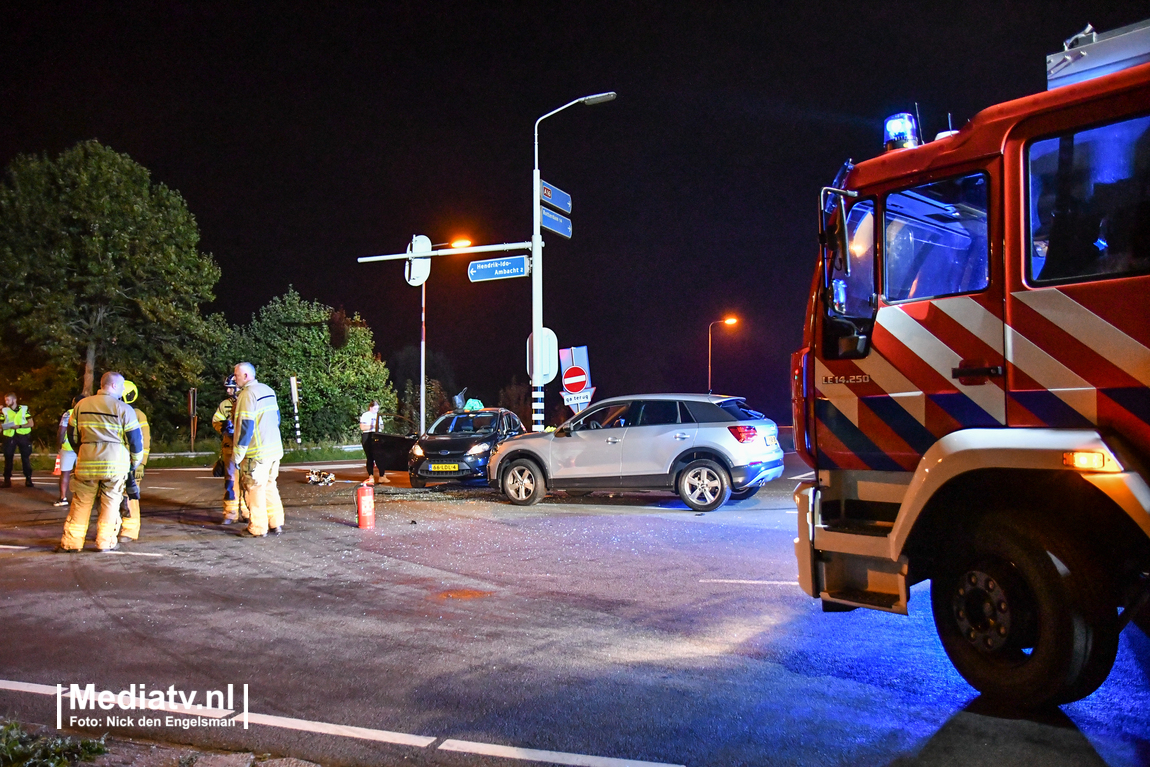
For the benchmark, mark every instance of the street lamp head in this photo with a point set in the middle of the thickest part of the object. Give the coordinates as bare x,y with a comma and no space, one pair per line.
598,98
730,320
461,242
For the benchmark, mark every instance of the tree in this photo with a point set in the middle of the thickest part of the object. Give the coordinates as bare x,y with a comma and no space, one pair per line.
516,397
292,337
100,269
404,364
436,400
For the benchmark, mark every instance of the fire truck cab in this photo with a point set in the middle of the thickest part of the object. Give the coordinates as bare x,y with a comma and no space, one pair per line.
973,391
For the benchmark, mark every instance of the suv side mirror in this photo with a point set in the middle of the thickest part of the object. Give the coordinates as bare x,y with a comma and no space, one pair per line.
563,431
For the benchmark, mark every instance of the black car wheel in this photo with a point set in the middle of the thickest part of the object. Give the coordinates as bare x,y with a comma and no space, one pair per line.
417,481
704,485
744,494
1026,614
523,483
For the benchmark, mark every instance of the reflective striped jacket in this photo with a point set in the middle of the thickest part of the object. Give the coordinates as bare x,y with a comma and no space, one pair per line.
108,437
257,419
145,435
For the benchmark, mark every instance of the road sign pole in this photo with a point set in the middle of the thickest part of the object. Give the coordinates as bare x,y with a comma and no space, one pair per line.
536,298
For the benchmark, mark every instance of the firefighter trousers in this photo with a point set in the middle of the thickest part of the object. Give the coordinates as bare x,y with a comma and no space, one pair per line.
130,526
86,493
261,494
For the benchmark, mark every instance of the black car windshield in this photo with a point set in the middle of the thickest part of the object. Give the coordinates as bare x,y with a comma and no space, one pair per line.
464,423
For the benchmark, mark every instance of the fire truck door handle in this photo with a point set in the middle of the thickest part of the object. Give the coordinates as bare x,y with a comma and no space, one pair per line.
986,372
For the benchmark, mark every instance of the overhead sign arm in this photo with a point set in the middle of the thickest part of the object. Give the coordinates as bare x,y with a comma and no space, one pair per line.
450,252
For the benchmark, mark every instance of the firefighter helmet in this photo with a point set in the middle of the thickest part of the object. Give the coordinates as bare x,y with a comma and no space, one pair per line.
131,391
230,382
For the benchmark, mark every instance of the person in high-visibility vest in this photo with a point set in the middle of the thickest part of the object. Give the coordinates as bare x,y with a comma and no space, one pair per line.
17,434
257,452
108,442
130,528
66,458
222,422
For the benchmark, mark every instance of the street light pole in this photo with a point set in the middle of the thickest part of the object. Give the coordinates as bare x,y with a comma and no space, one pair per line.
537,381
726,321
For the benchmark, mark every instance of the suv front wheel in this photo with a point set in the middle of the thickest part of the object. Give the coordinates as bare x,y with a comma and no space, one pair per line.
523,483
704,485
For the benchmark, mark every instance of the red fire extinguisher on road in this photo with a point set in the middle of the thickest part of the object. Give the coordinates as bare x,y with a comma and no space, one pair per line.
365,505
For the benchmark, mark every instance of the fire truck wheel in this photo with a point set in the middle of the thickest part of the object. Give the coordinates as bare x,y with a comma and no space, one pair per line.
1026,614
704,485
523,483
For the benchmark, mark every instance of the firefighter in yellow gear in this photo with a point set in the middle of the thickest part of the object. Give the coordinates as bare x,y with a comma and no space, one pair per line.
130,529
257,451
17,434
108,442
222,422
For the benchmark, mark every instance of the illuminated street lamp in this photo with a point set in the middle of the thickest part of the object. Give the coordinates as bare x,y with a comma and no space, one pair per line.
537,378
725,321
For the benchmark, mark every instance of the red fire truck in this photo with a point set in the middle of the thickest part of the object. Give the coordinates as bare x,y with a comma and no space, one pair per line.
973,391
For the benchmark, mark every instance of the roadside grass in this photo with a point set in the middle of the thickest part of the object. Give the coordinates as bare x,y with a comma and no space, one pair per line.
19,748
307,454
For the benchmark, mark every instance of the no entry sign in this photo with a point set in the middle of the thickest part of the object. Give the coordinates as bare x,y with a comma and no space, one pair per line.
574,379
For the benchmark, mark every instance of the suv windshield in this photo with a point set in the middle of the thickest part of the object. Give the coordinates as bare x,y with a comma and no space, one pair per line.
464,423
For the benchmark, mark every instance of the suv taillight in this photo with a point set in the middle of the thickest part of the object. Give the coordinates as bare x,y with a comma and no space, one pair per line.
743,433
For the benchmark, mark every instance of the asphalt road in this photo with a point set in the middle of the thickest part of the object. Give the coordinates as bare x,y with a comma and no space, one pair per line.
604,631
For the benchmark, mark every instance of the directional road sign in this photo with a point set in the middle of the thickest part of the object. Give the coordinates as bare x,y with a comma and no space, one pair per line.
497,268
554,196
561,225
574,379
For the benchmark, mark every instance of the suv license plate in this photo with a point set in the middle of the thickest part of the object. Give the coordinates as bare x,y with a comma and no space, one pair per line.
444,467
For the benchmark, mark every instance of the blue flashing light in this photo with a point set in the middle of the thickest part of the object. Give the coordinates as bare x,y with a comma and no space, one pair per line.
900,131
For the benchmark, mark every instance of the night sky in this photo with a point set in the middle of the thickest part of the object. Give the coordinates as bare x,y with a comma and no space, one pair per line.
304,137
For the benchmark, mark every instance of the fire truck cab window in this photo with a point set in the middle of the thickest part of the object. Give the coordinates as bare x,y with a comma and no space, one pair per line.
935,240
852,293
1090,204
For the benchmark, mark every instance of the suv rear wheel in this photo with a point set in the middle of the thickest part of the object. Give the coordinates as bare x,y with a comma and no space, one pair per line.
523,483
704,485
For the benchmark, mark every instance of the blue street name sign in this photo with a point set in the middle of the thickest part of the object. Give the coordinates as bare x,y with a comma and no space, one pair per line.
561,225
554,196
497,268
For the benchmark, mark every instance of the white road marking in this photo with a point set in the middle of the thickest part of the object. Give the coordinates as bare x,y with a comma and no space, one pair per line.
133,553
751,583
35,689
157,487
552,757
804,477
13,547
346,731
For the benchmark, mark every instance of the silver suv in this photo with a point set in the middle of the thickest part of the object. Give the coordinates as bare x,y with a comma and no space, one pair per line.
707,448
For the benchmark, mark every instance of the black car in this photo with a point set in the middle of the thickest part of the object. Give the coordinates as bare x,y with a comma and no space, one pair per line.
458,444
